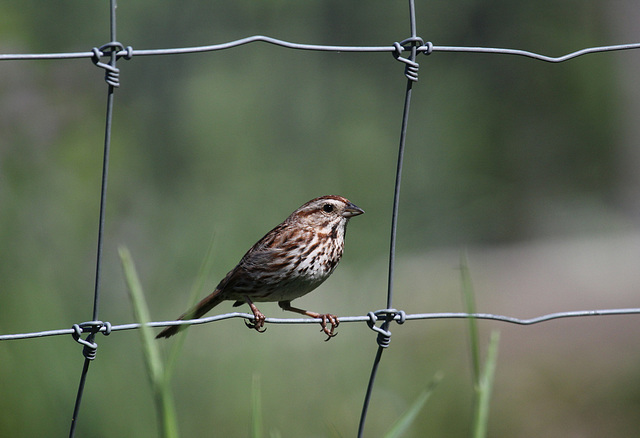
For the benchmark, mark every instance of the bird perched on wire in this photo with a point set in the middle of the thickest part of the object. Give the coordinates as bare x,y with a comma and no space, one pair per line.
290,261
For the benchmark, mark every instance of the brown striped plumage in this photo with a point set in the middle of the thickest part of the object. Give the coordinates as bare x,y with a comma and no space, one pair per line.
288,262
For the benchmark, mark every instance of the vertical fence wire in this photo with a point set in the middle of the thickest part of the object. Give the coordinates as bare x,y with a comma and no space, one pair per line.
394,222
101,221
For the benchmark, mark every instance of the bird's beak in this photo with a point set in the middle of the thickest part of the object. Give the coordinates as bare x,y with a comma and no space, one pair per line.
352,210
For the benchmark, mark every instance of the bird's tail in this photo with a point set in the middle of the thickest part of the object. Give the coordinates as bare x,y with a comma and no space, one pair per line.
208,303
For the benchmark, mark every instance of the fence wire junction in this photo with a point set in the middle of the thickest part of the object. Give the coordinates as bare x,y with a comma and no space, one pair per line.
404,51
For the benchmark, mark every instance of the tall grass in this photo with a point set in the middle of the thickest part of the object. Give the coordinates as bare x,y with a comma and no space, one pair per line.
156,371
483,377
159,372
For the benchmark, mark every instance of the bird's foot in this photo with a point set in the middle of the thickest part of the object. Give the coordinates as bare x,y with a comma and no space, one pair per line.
331,319
324,318
258,319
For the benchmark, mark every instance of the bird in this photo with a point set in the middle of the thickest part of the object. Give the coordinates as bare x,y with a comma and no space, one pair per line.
290,261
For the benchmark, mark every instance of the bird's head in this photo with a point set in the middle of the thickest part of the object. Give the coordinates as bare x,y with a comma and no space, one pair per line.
326,211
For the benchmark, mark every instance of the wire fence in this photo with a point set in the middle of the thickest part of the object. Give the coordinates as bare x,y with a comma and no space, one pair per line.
371,319
405,51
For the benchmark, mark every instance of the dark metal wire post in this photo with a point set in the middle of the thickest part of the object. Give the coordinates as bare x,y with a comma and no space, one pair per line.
394,221
103,199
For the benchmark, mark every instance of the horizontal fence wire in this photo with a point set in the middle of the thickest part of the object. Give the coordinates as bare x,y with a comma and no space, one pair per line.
426,49
343,319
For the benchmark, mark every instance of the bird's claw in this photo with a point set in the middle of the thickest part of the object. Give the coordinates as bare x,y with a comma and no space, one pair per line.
333,320
257,324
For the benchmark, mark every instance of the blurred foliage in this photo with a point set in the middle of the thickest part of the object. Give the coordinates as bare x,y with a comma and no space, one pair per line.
500,149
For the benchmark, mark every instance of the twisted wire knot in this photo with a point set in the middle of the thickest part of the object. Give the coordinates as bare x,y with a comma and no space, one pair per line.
427,48
112,73
384,335
90,348
411,67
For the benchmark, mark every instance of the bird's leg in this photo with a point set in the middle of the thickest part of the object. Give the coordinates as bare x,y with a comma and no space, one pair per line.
325,317
258,317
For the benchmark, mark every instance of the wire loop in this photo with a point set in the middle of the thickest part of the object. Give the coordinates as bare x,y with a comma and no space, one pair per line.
413,41
90,348
129,52
112,73
426,48
411,67
384,335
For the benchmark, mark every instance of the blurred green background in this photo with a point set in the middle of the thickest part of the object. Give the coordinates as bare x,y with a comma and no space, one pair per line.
531,167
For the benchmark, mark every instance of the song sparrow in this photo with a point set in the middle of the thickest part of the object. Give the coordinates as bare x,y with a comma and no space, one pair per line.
288,262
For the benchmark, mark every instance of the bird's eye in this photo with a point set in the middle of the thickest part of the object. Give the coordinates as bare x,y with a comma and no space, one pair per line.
327,208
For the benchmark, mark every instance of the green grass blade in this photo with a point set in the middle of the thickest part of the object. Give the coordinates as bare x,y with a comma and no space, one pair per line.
155,370
485,388
468,295
256,408
482,379
408,417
